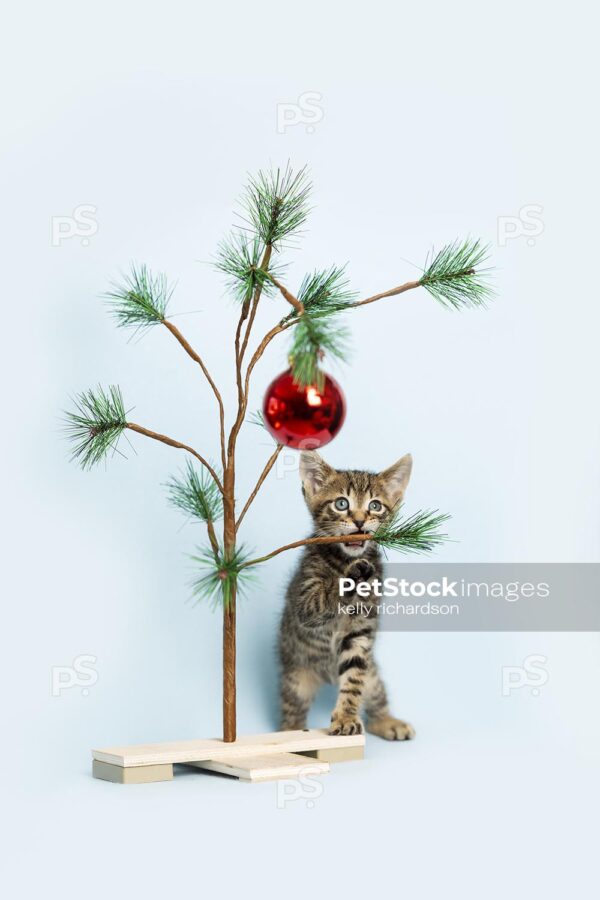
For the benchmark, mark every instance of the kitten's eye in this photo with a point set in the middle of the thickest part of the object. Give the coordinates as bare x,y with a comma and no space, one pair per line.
375,506
341,503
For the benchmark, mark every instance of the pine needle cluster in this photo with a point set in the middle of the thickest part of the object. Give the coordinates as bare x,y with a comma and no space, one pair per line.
314,336
276,204
417,534
322,294
239,259
196,494
326,292
220,574
95,425
141,300
455,277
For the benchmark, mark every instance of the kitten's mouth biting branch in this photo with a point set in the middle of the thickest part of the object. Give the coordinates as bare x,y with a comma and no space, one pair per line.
355,538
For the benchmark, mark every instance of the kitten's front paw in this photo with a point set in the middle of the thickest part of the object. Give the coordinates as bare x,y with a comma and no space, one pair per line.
360,570
391,729
345,725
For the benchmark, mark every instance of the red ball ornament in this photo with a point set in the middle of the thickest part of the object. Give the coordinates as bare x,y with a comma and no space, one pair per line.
303,417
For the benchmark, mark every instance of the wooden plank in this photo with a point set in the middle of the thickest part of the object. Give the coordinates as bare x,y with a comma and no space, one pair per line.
336,754
132,774
265,768
247,745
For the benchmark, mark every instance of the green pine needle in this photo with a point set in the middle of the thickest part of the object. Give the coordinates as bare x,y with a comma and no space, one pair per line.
417,534
455,277
96,424
239,259
218,575
196,494
141,300
315,335
322,293
256,418
276,204
326,292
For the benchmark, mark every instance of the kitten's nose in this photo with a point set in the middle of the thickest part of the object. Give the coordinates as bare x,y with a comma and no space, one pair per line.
359,523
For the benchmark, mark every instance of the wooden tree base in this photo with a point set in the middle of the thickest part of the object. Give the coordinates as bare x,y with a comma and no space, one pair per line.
261,757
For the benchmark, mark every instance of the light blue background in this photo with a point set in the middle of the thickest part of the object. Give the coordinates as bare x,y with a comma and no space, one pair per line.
436,121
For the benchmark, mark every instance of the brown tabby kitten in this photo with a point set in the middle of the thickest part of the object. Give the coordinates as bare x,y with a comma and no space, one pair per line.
318,644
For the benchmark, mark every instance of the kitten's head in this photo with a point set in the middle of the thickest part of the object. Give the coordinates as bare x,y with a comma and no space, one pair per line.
346,502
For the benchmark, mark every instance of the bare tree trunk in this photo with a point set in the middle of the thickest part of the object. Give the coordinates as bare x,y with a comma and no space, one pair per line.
229,714
229,693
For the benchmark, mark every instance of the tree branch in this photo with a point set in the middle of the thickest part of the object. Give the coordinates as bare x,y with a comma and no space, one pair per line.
192,353
253,308
297,304
239,354
271,462
238,364
408,286
264,265
277,329
156,436
320,539
212,537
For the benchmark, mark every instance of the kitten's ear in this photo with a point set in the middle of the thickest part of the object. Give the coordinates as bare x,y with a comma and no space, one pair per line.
314,472
396,478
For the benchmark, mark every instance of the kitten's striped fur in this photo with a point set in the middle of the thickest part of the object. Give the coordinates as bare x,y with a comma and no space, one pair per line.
317,644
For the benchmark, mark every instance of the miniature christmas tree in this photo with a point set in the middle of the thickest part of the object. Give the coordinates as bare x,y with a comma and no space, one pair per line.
276,205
